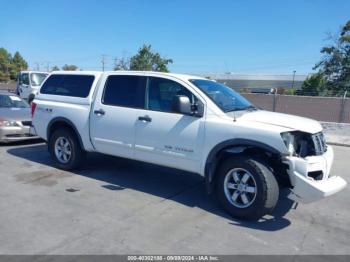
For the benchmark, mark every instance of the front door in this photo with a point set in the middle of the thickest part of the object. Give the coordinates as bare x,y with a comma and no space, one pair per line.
24,85
163,136
115,112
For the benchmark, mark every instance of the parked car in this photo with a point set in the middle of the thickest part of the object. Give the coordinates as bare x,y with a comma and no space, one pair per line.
189,123
15,119
28,83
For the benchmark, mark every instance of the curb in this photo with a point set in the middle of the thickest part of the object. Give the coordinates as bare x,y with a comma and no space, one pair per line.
338,144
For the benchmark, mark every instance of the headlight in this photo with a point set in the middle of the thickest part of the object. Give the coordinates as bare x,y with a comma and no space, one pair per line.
299,143
289,139
8,123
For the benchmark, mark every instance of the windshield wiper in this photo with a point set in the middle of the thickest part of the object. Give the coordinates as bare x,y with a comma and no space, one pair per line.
249,107
241,109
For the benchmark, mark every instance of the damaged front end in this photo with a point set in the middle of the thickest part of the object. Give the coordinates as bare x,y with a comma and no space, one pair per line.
309,167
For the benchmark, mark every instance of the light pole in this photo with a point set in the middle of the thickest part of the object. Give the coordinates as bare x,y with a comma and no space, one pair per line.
293,79
103,62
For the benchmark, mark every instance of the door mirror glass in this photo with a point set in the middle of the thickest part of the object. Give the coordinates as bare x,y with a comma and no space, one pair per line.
182,104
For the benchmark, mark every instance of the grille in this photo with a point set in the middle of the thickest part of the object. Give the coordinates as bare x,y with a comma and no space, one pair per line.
319,143
27,123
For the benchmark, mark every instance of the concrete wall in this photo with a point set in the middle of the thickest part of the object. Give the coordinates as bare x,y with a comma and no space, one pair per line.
327,109
7,86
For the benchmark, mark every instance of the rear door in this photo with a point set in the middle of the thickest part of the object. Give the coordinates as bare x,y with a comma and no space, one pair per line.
114,114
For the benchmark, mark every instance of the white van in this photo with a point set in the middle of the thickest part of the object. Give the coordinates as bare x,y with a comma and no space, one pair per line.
28,83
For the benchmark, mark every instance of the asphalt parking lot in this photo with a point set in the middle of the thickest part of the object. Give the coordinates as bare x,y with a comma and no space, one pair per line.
117,206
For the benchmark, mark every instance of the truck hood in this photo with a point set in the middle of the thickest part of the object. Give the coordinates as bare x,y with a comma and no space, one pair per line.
283,120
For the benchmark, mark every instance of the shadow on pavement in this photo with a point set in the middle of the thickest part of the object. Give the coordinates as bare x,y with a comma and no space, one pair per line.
173,185
22,143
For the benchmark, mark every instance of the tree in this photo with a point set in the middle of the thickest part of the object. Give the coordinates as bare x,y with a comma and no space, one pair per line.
55,68
10,66
314,85
17,64
5,61
146,60
122,64
69,67
335,65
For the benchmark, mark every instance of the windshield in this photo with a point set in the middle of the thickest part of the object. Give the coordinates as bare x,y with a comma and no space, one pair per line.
37,78
223,96
12,101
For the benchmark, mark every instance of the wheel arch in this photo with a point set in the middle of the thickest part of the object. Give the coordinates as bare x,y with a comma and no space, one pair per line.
62,122
229,147
31,97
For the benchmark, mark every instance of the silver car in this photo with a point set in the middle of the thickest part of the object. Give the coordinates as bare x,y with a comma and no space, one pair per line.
15,119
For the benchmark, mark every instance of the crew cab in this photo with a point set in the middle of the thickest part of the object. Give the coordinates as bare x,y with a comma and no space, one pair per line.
189,123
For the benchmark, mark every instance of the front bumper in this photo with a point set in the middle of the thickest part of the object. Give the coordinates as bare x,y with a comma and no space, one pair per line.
16,133
306,189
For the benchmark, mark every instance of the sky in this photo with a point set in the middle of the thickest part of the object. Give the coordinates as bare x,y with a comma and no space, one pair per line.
201,36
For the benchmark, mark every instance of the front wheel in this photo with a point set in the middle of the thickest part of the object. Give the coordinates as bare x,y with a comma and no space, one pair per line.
65,149
246,187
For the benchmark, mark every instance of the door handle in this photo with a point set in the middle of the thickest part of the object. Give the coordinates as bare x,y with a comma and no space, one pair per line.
99,112
145,118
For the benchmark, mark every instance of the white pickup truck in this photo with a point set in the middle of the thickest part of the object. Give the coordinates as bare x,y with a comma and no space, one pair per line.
189,123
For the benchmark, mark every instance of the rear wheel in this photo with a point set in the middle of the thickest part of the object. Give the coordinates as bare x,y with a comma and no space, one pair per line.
246,187
65,149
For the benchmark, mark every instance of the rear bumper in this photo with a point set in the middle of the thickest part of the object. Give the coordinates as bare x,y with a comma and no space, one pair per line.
305,189
16,133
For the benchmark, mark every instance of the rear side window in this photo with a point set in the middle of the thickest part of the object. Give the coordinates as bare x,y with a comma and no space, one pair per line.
68,85
126,91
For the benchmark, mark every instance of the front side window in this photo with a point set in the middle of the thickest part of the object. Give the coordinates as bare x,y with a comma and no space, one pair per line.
12,101
68,85
224,97
125,91
24,79
36,79
161,94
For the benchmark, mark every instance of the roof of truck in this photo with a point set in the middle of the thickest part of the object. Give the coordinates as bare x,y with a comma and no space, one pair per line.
179,76
60,72
33,71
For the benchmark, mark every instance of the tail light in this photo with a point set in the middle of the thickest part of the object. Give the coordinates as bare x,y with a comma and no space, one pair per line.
33,108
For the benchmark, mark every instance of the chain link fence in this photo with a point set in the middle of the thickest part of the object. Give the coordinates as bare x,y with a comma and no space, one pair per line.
327,109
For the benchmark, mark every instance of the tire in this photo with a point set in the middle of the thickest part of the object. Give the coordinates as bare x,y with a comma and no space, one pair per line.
240,199
31,98
66,140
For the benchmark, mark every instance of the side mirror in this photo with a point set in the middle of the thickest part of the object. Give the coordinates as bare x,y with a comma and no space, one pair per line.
182,104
